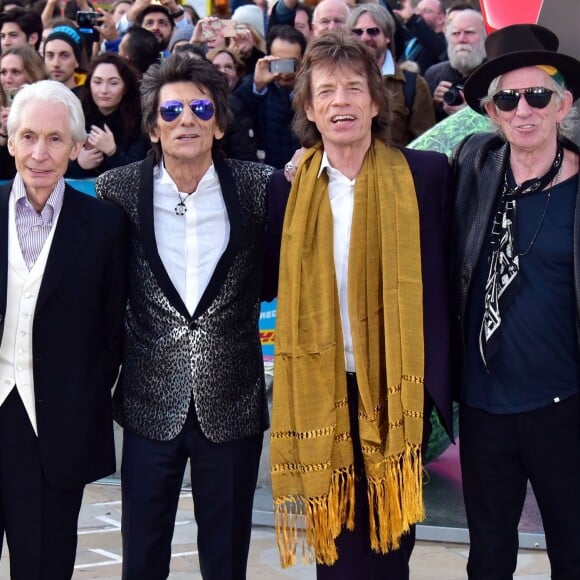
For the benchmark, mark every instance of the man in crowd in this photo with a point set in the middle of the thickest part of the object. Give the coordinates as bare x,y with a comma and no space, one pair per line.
62,56
18,26
424,25
267,94
412,110
329,15
465,35
62,299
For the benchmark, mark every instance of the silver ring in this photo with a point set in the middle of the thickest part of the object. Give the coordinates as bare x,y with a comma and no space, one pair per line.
289,167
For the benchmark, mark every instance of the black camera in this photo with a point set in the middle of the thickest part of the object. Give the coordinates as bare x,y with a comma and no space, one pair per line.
87,20
453,97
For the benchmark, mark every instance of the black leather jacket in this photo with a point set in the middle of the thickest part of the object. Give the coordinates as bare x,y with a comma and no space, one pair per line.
479,165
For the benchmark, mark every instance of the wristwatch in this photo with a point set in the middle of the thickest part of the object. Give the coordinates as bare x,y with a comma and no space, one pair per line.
179,12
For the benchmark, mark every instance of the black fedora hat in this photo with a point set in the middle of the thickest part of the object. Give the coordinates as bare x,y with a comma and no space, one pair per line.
519,46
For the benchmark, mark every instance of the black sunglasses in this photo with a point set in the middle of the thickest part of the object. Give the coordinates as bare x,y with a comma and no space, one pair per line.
508,99
374,31
202,108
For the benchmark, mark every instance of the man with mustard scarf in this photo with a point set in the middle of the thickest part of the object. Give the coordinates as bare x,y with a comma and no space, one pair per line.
362,329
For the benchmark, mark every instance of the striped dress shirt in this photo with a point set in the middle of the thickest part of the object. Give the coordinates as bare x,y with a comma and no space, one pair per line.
33,227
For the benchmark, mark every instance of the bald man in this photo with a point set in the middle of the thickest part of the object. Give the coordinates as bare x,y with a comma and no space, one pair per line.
329,15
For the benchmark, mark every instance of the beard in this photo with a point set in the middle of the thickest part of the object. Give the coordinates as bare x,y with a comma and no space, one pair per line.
466,57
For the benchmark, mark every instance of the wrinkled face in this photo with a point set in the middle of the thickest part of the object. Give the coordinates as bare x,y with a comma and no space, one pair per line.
159,25
107,88
284,49
12,35
42,146
301,23
12,75
466,46
372,36
61,62
342,107
187,139
226,65
527,128
329,15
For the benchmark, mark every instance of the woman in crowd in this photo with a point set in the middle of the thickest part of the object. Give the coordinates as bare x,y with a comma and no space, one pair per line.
19,65
239,141
110,99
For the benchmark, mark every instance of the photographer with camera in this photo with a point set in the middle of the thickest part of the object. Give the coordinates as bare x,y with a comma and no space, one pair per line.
466,50
267,94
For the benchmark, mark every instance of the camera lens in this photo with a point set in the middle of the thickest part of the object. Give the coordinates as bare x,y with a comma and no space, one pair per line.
453,97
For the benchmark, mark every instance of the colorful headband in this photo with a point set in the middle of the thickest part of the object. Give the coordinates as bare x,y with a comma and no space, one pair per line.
554,73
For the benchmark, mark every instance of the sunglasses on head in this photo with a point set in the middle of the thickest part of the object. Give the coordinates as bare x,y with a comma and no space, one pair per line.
374,31
536,97
202,108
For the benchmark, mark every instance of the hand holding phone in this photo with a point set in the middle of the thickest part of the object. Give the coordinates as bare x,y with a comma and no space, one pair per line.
282,65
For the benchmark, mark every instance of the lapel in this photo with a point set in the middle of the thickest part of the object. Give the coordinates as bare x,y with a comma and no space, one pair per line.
4,196
69,238
146,219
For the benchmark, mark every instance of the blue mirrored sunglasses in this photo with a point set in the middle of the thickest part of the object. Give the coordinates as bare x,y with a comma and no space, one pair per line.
202,108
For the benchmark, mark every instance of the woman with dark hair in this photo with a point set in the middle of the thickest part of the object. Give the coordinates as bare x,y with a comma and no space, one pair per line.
110,100
239,141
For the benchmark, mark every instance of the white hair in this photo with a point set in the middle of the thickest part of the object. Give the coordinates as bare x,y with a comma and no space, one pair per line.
49,92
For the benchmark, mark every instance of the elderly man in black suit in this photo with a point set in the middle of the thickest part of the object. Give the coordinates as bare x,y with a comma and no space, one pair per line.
192,385
62,298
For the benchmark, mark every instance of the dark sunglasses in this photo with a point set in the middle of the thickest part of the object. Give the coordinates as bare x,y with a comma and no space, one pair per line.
508,99
374,31
202,108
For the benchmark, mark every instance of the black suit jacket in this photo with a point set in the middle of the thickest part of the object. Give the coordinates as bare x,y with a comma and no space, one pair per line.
77,336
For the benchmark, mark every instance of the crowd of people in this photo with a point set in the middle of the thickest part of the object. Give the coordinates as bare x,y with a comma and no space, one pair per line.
238,160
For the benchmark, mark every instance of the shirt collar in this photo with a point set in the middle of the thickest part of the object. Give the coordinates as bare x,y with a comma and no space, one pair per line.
53,204
331,171
162,177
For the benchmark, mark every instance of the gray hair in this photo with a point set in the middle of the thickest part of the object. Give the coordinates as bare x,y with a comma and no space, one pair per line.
565,129
49,92
467,12
379,14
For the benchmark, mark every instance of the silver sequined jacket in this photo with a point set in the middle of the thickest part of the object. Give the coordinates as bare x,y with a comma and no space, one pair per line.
213,357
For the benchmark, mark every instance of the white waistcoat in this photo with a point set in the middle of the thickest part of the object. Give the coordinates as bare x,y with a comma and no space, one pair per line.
16,357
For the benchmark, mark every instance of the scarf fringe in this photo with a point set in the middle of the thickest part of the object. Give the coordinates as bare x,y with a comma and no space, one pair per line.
316,521
396,500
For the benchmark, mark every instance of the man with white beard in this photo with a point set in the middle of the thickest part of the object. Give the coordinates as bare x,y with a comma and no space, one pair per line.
466,50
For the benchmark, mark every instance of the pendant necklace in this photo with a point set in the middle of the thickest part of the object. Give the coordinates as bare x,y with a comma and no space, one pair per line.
180,208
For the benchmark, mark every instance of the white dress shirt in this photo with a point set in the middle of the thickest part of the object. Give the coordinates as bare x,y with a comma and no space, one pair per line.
190,245
341,194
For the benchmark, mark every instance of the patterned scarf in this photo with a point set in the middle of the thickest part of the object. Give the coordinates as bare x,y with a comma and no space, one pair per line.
504,263
312,462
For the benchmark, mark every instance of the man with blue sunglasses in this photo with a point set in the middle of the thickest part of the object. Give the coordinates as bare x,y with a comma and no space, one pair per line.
192,386
517,298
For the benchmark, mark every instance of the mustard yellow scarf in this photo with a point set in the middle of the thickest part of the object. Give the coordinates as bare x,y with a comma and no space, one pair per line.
311,444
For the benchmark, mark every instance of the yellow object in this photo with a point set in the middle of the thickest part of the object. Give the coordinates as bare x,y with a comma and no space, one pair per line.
311,445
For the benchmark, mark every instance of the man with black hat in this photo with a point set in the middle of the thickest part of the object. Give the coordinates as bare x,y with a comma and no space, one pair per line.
517,299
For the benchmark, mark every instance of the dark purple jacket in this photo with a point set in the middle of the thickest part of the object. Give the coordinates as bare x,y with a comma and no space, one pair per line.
431,176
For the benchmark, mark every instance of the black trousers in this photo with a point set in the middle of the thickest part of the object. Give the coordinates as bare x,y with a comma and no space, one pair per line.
223,480
356,559
40,522
499,454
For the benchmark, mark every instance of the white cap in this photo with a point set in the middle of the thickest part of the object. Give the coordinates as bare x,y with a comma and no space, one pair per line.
252,15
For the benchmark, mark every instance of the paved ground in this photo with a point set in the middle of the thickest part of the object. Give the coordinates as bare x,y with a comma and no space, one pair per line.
99,550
